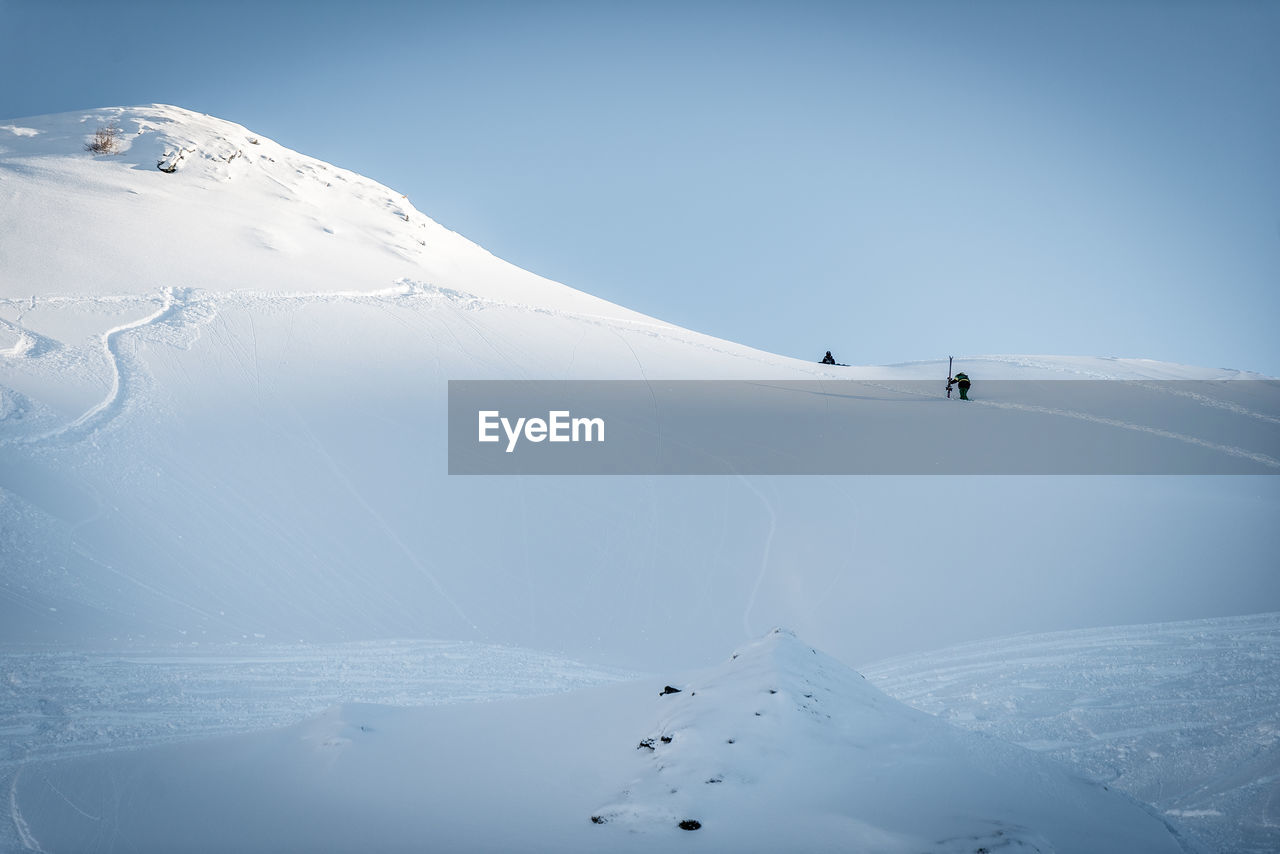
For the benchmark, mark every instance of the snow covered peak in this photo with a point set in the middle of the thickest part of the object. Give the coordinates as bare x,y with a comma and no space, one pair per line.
187,200
155,136
792,668
783,743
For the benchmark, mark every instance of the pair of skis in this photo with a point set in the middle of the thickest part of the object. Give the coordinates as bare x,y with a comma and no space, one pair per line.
949,379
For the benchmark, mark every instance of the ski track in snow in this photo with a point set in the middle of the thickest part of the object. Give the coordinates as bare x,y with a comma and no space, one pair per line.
1204,400
388,530
764,555
124,375
111,344
115,399
22,833
1230,450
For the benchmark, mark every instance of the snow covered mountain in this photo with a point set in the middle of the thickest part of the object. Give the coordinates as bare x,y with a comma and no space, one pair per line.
222,392
779,748
223,374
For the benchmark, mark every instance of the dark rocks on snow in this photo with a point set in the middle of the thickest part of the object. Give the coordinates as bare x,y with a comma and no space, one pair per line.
669,690
599,819
690,824
648,742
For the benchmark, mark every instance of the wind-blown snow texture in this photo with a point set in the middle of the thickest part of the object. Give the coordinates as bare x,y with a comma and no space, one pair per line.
223,368
1184,716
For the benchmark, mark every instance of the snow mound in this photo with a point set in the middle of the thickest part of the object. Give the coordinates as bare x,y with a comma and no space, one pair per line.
780,748
784,743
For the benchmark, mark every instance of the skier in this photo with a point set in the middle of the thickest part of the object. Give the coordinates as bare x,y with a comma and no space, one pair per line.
962,380
828,359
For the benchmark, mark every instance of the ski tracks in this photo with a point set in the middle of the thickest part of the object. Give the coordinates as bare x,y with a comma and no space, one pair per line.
123,375
1202,399
387,529
119,378
1230,450
1212,402
25,838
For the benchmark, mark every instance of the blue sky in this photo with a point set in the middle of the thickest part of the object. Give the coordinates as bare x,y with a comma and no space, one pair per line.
891,181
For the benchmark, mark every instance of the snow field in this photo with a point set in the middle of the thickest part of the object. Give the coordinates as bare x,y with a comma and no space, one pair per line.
222,377
1184,716
780,747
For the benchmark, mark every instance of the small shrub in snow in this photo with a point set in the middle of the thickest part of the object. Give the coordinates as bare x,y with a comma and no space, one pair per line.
690,824
106,140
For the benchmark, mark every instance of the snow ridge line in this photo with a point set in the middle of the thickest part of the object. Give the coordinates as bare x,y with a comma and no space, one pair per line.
411,289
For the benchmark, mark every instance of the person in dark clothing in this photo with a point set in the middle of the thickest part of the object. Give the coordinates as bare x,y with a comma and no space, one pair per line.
828,359
962,380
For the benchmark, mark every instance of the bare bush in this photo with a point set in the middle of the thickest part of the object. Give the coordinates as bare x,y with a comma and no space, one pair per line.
106,140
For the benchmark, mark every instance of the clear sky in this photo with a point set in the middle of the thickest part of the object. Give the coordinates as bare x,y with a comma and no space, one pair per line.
891,181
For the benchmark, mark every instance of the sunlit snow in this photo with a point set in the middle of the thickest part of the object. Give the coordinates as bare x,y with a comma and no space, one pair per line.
223,493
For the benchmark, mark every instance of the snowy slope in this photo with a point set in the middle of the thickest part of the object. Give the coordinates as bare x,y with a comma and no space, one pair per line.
222,394
222,434
253,214
779,748
1185,716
